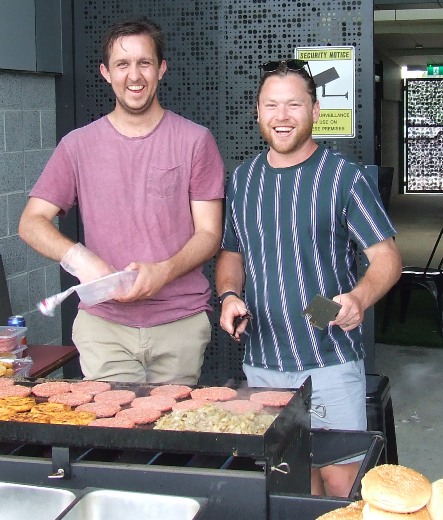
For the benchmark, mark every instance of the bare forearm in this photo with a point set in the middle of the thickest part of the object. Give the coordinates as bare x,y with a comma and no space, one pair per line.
42,235
383,272
229,272
203,245
374,285
152,277
200,248
230,276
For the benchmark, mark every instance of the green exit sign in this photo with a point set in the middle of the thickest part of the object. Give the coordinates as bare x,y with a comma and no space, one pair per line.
435,70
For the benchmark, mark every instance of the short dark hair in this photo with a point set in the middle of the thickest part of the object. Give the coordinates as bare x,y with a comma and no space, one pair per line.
129,28
282,71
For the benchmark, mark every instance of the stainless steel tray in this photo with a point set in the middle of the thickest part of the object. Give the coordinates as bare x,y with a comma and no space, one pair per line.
19,501
105,504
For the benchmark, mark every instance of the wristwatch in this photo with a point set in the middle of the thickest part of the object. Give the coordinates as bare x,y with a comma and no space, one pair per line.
223,296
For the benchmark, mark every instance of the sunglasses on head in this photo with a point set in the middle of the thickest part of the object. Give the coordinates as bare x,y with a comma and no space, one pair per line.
294,65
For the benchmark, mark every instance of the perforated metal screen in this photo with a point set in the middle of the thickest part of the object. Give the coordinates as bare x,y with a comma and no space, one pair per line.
424,135
213,49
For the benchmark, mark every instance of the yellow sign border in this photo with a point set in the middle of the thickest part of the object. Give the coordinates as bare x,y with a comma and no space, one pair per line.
340,122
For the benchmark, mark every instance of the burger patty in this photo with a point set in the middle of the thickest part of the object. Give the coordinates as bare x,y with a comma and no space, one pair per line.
15,390
100,409
90,387
51,388
120,397
71,398
214,393
272,397
159,402
6,381
140,415
174,391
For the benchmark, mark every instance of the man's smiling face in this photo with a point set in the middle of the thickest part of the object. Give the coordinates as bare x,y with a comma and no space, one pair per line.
286,113
134,73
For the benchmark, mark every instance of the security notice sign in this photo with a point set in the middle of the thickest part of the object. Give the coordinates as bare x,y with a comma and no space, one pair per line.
333,70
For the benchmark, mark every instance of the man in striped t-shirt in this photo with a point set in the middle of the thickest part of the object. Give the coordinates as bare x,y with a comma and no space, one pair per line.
295,215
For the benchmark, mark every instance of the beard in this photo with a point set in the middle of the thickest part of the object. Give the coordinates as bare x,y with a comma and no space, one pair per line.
287,145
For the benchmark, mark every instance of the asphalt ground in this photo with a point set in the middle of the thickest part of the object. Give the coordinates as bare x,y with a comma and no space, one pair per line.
416,387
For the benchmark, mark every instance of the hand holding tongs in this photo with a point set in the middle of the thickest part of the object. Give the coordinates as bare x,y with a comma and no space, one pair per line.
238,320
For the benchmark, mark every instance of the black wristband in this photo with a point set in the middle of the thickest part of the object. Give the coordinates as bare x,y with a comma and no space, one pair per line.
223,296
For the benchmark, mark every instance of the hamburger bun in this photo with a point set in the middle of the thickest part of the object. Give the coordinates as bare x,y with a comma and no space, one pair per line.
351,512
373,513
435,504
396,489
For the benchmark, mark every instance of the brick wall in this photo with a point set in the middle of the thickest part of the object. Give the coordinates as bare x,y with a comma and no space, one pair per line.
27,140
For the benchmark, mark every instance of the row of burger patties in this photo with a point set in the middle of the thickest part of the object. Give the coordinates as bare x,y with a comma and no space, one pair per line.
394,492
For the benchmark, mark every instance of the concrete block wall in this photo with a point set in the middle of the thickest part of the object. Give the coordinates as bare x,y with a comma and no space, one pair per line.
27,140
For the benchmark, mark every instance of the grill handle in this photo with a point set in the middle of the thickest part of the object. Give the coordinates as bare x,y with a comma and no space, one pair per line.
319,410
61,466
60,473
282,468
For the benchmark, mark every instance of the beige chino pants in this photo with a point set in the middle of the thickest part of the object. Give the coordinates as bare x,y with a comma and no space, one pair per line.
169,353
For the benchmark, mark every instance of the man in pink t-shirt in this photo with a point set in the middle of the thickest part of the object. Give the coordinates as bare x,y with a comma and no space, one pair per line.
149,185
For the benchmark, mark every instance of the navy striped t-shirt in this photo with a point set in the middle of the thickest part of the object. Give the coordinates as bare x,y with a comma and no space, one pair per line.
298,229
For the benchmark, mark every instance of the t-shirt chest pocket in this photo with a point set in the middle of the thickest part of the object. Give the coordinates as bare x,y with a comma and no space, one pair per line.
162,182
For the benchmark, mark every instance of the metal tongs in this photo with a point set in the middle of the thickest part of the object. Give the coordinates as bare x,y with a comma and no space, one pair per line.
238,320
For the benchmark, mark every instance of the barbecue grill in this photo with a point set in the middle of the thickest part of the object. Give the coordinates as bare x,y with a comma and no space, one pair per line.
264,476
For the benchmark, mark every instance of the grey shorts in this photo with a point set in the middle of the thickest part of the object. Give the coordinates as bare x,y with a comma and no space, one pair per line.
341,389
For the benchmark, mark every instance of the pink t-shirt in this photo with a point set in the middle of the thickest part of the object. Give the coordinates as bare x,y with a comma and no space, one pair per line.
134,195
